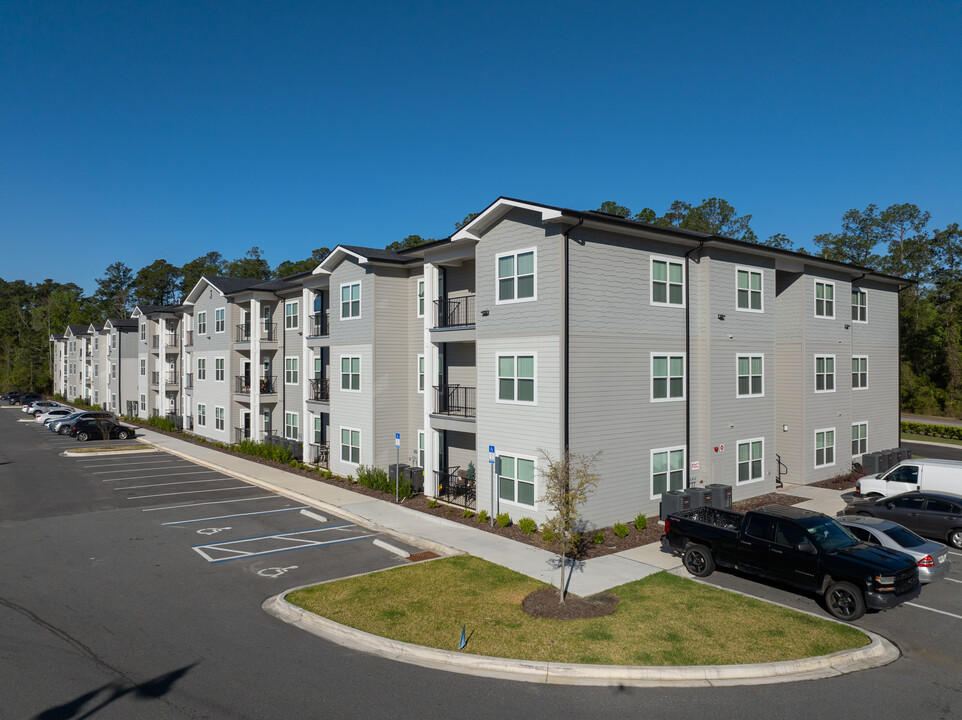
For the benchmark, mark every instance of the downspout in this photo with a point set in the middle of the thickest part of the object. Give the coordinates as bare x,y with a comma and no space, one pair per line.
567,343
898,359
701,244
280,304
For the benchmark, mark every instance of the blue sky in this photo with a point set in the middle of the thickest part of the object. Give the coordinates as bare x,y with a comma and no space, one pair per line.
137,130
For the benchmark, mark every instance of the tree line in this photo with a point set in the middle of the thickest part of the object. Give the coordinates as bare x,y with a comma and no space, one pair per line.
897,240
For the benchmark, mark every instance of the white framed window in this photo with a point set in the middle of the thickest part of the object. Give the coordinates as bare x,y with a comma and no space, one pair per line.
750,456
219,418
96,369
516,480
113,400
202,323
824,299
351,373
667,282
517,276
350,445
113,340
220,322
290,371
318,430
824,373
859,306
824,447
96,344
421,375
143,367
113,371
143,332
667,377
143,403
96,396
350,301
516,378
291,420
421,441
748,291
859,372
859,438
201,414
292,311
667,470
420,301
751,380
219,369
201,368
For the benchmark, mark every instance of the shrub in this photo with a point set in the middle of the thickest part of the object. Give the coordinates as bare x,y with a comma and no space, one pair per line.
547,536
483,516
503,519
621,530
598,538
641,522
162,423
527,525
432,503
268,451
467,514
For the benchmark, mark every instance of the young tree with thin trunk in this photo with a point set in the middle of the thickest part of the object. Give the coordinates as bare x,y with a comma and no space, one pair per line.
567,480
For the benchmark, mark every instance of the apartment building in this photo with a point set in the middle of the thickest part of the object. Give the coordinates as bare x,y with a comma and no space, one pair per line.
119,386
159,376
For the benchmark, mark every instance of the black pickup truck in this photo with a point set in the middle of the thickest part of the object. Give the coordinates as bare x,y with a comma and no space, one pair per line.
799,547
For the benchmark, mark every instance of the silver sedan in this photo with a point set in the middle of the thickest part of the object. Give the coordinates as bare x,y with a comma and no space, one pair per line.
932,557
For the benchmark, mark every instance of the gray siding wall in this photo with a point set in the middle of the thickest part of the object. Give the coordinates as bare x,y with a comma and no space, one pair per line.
789,396
415,346
352,330
395,368
210,346
350,409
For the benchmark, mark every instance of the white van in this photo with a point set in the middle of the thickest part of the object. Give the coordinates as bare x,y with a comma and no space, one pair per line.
923,475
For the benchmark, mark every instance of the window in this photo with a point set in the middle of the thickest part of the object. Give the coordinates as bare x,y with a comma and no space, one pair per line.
218,418
516,276
202,323
421,437
859,372
113,370
859,438
96,369
750,453
825,299
201,369
113,400
96,344
318,430
318,368
516,480
143,367
749,290
268,427
667,470
143,403
143,332
824,447
290,371
350,373
420,298
350,445
824,373
421,375
291,315
750,377
290,425
350,301
113,341
219,369
667,377
859,306
667,282
219,322
516,378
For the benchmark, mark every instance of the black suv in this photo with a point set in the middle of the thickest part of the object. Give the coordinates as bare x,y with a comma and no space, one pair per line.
93,429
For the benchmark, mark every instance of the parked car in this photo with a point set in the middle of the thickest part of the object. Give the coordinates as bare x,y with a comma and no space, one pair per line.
932,515
922,475
65,426
25,399
41,406
95,429
931,557
55,424
802,548
57,412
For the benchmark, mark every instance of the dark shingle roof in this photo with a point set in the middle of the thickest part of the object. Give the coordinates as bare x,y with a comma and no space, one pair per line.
78,329
123,322
379,254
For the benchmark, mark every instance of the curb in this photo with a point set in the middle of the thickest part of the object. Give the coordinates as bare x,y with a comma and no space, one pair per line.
97,453
877,653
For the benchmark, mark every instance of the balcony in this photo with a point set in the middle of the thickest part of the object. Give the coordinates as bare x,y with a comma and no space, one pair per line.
155,342
319,325
189,381
243,334
172,378
267,385
241,434
320,455
456,312
155,378
320,390
456,488
189,338
456,400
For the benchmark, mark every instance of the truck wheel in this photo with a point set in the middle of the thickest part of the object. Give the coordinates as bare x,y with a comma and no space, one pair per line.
844,601
122,435
698,561
955,538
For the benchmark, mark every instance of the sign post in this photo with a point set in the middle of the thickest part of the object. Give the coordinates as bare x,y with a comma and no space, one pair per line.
491,463
397,467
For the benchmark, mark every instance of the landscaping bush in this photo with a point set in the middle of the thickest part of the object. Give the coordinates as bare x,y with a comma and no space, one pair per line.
432,503
621,530
951,432
503,519
268,451
161,423
641,522
527,525
547,536
483,516
376,478
467,514
598,538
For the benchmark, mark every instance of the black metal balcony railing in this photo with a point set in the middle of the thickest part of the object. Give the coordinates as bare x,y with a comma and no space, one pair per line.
155,413
241,434
293,444
243,384
243,333
456,311
455,487
320,389
177,419
189,381
268,385
320,455
189,338
319,325
155,378
268,331
189,422
456,400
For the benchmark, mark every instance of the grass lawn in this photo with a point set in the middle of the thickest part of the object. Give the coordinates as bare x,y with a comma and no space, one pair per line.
661,620
930,438
111,448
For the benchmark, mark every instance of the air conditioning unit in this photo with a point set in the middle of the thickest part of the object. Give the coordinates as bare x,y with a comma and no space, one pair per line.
674,501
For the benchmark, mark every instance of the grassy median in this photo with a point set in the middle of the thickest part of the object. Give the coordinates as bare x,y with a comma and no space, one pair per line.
661,620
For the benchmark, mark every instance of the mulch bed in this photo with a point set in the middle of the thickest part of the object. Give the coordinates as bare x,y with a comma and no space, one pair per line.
770,499
544,604
840,482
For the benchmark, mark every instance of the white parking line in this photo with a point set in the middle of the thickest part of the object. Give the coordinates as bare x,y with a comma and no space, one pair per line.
169,467
192,492
957,554
296,538
179,482
164,475
212,502
236,515
940,612
952,580
115,463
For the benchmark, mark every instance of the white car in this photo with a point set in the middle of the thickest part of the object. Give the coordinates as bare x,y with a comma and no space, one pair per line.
51,413
39,405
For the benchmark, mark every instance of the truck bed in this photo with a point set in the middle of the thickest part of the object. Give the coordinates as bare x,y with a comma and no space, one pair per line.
725,519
